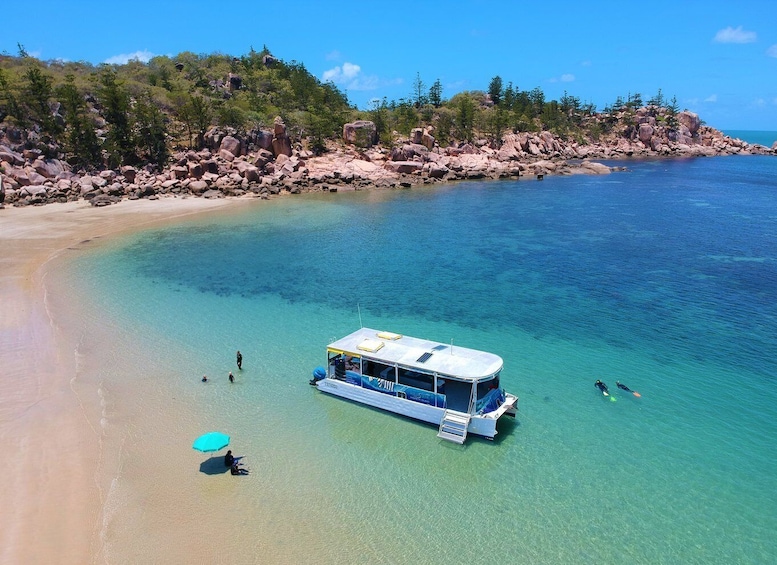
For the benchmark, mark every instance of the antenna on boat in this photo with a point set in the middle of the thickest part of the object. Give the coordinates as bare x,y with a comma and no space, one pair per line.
360,315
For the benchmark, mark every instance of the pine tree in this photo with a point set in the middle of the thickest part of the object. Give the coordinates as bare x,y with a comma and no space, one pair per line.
465,116
419,98
81,143
435,94
116,111
495,90
38,92
151,130
196,113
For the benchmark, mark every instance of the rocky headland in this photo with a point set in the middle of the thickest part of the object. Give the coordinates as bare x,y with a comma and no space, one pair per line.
262,163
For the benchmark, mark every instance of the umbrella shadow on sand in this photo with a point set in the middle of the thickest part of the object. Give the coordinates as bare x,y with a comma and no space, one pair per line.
214,466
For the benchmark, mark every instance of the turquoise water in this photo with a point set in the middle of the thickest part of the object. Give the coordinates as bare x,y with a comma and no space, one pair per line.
761,137
663,277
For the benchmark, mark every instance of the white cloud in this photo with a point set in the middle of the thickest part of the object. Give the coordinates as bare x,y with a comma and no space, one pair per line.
566,77
735,35
143,56
349,76
340,74
772,51
711,98
332,56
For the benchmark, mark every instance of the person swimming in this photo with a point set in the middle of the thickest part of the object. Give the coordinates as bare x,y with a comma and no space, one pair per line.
627,389
603,387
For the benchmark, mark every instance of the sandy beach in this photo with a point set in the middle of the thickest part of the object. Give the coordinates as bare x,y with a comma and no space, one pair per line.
56,471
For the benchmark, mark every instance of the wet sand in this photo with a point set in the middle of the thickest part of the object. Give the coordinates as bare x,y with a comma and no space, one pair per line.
56,473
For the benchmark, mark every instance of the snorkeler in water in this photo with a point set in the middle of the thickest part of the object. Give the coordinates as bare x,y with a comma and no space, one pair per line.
603,387
627,389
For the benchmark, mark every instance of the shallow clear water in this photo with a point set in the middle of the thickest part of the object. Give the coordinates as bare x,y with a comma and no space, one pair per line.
663,277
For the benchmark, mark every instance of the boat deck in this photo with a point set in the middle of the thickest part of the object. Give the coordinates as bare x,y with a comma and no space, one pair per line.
426,355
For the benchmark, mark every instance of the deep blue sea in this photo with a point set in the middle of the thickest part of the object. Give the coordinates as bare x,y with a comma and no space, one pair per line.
663,277
761,137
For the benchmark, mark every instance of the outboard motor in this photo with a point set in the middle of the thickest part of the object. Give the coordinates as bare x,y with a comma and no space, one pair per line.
318,374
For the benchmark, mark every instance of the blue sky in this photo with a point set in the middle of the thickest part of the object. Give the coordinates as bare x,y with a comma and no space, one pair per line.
718,57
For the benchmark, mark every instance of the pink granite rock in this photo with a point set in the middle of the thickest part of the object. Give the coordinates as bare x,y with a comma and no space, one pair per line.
361,133
231,144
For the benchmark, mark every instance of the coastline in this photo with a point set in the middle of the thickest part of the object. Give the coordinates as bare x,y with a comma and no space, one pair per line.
109,526
231,164
55,477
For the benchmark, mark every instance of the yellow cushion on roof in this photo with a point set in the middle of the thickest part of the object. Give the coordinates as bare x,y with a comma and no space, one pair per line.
370,345
388,335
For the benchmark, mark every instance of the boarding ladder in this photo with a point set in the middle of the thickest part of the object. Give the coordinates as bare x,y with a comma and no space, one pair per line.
453,426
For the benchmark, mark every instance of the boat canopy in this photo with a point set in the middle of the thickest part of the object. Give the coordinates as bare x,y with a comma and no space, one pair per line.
422,354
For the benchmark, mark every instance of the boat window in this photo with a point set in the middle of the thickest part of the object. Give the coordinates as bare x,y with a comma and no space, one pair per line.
353,363
484,387
415,379
457,394
378,370
339,364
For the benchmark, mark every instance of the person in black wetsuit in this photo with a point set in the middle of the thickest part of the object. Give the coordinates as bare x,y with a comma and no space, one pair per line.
236,469
601,386
624,387
239,360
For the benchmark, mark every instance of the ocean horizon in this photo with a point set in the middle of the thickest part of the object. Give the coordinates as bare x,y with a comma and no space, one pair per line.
660,277
761,137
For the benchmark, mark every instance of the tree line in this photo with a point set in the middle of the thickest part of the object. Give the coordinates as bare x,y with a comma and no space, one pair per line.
135,113
502,108
131,114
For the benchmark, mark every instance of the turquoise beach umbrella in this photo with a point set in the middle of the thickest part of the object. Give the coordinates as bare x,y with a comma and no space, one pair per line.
212,441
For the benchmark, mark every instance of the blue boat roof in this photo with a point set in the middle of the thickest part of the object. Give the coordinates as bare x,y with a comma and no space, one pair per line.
423,354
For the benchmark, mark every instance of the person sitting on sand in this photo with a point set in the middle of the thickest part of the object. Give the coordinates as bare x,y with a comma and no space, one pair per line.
603,387
236,469
229,459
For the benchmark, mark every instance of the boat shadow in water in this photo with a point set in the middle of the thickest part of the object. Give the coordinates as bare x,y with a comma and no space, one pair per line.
506,426
214,466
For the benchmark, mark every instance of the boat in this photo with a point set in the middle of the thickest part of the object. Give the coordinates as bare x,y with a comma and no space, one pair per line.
452,387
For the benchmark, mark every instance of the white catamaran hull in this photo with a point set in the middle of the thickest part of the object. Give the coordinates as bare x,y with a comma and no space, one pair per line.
482,425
